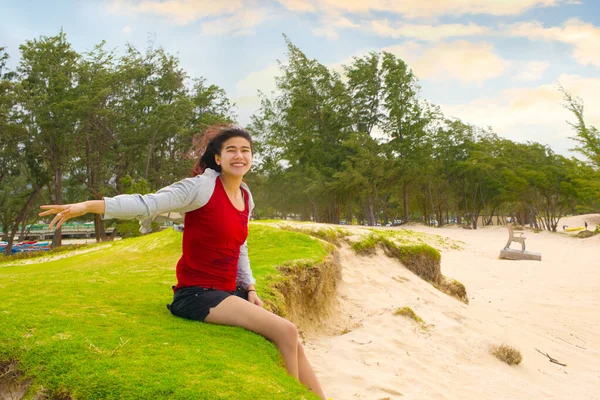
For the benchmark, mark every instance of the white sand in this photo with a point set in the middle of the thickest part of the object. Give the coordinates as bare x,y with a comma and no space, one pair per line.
552,305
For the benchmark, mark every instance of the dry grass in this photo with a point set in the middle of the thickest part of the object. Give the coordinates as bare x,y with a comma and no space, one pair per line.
407,312
12,384
508,354
585,234
454,288
308,291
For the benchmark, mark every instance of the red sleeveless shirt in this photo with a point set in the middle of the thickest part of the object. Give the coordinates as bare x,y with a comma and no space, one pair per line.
211,243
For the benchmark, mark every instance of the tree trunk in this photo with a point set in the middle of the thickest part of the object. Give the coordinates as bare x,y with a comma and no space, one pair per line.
405,197
57,238
21,219
99,228
368,207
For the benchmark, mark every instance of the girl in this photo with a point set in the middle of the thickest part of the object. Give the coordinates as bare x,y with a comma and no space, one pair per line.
214,279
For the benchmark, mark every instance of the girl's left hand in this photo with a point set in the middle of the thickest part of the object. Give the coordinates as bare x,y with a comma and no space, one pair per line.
254,299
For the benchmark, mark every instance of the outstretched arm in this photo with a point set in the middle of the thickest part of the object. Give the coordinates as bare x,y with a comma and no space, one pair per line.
65,212
185,195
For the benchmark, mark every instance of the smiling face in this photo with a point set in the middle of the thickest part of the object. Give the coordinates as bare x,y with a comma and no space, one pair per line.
236,157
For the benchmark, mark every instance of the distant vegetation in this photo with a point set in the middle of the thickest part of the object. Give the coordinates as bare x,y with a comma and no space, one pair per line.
366,148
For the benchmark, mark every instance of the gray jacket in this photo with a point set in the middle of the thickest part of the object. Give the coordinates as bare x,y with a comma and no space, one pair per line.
170,204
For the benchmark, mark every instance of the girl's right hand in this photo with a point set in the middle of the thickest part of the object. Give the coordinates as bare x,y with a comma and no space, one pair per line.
63,212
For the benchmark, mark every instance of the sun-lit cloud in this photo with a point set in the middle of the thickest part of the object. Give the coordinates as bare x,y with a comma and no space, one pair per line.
532,70
427,32
181,11
263,80
242,22
461,60
534,114
419,8
246,94
298,5
331,23
584,37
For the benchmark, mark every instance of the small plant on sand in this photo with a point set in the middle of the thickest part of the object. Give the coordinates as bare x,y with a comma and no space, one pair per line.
367,246
422,259
409,313
454,288
508,354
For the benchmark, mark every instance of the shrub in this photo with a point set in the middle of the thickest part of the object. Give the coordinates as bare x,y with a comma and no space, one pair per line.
509,355
454,288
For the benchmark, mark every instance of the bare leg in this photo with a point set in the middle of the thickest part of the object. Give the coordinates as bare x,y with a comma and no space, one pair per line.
307,375
234,311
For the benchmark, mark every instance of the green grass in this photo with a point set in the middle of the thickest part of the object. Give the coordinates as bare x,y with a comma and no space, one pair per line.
421,258
95,325
367,245
408,312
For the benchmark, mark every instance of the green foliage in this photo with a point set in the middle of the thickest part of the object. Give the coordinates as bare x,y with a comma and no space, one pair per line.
80,125
586,136
95,325
105,123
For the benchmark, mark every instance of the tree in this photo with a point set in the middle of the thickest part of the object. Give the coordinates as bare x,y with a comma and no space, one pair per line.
48,74
306,124
21,171
404,121
587,137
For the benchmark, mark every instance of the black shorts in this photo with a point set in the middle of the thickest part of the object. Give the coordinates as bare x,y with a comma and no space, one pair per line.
195,302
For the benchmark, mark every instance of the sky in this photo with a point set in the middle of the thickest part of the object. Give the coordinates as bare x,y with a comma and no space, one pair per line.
495,63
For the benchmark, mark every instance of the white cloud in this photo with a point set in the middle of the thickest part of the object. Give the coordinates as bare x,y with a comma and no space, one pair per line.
330,23
419,8
535,114
242,22
330,32
127,29
427,32
298,5
181,11
584,37
246,96
460,60
263,80
532,71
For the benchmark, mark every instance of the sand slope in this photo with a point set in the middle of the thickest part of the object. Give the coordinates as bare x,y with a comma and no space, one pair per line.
552,305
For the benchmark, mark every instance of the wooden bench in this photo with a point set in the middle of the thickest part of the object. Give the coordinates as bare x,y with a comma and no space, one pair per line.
513,238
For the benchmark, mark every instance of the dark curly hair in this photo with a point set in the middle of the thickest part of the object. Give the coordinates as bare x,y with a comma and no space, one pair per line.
210,143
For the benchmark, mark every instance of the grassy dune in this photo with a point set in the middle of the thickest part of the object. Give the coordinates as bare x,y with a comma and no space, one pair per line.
95,325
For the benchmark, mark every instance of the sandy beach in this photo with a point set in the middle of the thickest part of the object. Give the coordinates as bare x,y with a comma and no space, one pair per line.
551,305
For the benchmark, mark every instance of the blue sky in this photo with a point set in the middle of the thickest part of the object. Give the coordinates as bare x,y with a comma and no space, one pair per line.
488,62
